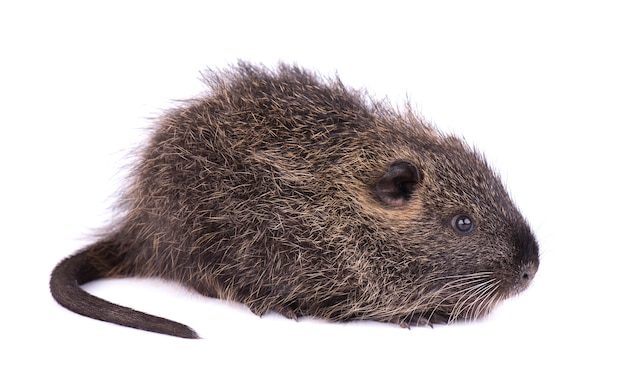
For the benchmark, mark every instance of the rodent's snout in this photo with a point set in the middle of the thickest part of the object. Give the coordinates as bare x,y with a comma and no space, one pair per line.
527,256
526,274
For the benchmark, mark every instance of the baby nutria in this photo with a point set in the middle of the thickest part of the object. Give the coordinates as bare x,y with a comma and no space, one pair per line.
294,193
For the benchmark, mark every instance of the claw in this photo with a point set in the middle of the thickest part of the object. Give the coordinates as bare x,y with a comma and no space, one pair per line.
405,324
421,321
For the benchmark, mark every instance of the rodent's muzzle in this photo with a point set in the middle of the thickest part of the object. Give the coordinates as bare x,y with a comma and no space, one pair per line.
526,274
527,257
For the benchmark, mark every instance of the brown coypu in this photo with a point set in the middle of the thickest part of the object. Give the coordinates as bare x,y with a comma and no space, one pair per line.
293,193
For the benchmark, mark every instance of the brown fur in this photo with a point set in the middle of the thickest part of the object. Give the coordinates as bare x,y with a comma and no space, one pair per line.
292,193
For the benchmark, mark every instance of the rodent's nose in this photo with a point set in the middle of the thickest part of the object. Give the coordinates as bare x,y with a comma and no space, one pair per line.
527,256
527,273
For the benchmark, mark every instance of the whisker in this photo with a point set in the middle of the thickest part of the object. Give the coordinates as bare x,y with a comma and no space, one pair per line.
487,302
461,285
465,295
471,293
458,296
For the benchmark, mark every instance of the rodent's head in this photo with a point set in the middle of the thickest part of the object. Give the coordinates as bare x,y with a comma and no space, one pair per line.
469,246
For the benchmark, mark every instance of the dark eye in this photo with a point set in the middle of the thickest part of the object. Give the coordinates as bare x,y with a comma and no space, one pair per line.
463,224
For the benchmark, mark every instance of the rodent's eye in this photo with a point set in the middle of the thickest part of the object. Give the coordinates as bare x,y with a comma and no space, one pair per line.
463,224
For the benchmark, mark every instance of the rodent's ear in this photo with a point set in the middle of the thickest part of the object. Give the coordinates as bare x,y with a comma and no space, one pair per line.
396,186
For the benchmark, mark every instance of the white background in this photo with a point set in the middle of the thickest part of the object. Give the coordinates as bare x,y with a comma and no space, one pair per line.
540,87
